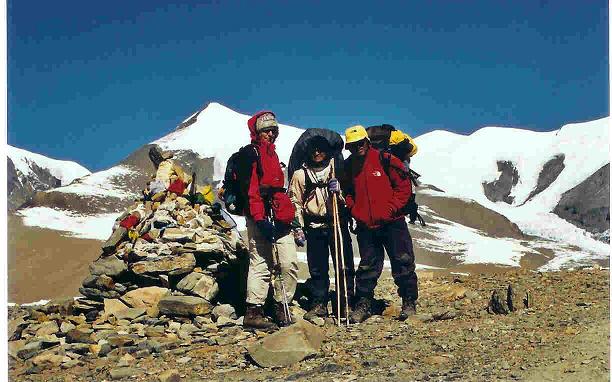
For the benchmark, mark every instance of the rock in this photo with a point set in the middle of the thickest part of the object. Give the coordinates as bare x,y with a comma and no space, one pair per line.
126,360
102,282
224,310
456,292
62,306
14,347
287,346
498,304
15,327
65,327
124,372
79,335
445,314
421,317
171,375
115,238
129,313
183,360
199,284
110,266
147,297
173,265
29,350
121,340
178,234
184,306
98,294
47,359
113,305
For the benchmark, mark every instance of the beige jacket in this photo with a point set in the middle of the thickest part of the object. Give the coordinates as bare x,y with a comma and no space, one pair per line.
319,202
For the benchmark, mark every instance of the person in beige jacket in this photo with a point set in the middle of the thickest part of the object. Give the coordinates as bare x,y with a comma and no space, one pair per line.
310,191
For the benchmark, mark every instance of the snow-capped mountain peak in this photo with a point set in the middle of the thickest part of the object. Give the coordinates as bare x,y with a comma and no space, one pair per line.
218,131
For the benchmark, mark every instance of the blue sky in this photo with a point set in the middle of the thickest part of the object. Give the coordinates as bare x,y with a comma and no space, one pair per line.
93,81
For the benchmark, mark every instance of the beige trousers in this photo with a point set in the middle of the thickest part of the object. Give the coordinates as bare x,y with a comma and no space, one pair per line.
261,265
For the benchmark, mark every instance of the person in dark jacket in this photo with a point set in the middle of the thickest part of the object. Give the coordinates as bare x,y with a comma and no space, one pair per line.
267,197
375,195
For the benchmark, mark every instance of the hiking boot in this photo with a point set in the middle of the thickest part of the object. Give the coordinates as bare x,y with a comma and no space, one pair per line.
254,318
281,318
361,311
318,310
408,309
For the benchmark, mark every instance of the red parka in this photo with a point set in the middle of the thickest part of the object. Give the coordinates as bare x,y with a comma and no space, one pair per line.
373,197
272,174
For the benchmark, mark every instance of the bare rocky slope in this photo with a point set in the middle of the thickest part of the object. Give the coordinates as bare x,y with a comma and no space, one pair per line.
562,335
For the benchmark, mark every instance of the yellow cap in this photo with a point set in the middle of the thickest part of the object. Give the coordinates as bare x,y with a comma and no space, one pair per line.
355,134
398,136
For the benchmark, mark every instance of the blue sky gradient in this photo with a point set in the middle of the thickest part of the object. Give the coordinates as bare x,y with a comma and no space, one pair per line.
93,81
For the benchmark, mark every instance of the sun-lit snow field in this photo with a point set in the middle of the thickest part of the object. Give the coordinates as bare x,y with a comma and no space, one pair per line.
65,171
102,184
460,164
97,227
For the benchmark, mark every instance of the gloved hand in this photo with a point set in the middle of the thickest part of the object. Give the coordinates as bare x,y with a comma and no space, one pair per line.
266,228
299,237
333,185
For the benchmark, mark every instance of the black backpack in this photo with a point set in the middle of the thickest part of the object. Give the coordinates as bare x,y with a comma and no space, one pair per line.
238,178
379,136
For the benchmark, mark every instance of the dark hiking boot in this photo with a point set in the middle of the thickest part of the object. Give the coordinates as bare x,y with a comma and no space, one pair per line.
408,309
361,311
254,319
318,310
281,317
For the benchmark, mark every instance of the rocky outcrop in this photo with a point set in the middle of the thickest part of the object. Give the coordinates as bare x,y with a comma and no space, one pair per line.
588,204
20,188
499,190
548,175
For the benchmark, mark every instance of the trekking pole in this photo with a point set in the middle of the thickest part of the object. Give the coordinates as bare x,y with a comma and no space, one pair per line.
276,259
336,262
339,243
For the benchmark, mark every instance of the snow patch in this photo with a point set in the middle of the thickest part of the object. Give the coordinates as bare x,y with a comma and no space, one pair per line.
105,183
97,227
65,171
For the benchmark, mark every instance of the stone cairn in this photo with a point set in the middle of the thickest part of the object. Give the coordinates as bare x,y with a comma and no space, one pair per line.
172,272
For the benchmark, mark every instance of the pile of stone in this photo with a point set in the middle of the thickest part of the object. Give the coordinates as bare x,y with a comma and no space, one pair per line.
171,253
173,273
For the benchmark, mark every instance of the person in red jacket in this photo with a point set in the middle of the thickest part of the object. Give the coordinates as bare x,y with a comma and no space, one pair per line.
377,187
268,217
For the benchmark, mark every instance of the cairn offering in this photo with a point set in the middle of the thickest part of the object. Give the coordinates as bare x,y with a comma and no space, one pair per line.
171,251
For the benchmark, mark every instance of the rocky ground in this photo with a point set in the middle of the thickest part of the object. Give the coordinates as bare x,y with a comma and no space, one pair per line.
564,335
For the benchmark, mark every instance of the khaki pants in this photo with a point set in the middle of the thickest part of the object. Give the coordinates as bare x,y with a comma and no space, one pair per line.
261,265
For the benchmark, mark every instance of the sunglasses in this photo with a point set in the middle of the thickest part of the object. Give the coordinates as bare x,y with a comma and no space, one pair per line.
355,145
272,130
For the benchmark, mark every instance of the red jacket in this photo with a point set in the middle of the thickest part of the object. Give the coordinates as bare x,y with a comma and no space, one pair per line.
272,174
373,197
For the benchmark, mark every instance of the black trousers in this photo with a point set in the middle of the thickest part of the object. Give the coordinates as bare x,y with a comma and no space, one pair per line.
320,247
395,239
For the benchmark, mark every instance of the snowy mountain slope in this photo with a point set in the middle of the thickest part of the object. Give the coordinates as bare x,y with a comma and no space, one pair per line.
455,163
65,171
219,131
461,164
29,172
